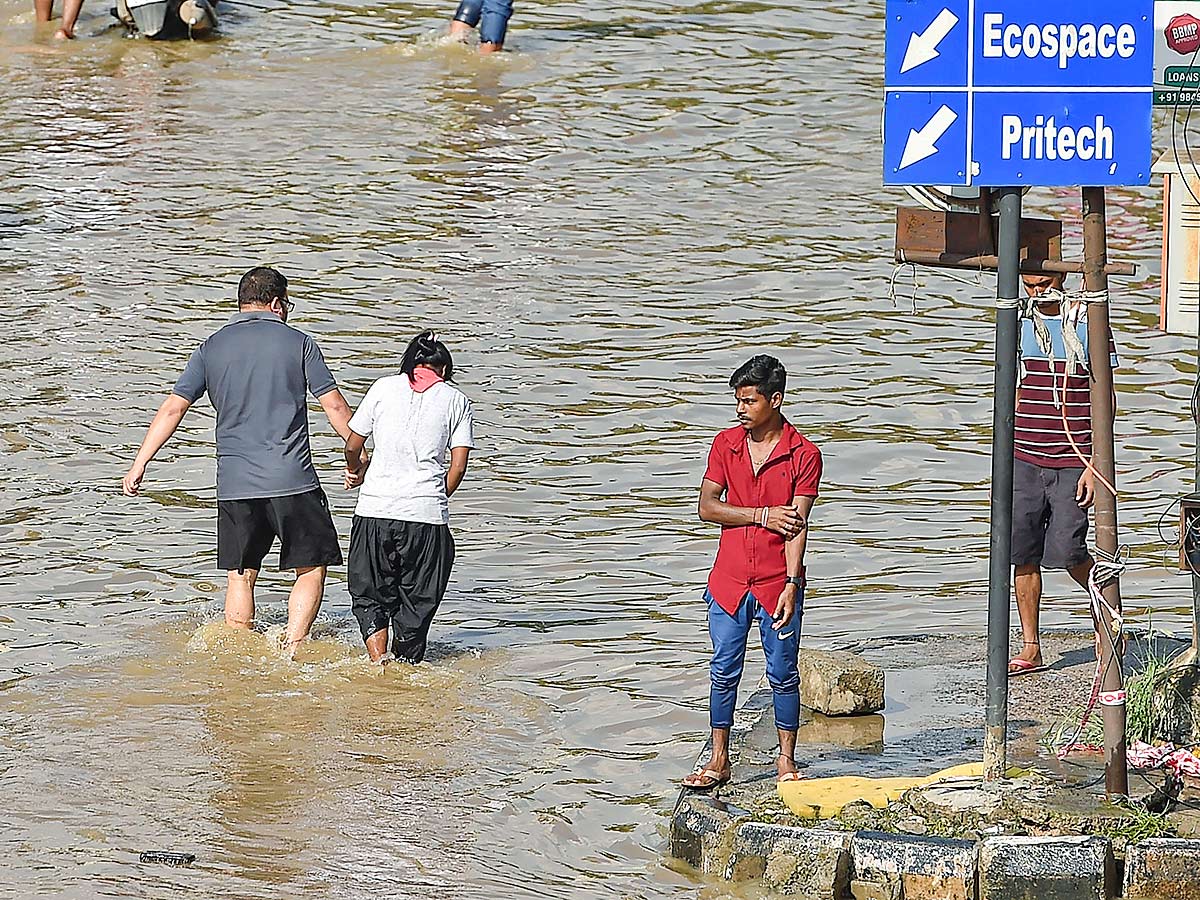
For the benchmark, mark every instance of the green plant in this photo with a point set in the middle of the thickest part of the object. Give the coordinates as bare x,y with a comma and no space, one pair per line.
1137,825
1155,705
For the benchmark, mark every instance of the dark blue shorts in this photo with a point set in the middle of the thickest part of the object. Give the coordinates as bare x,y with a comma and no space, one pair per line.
1049,528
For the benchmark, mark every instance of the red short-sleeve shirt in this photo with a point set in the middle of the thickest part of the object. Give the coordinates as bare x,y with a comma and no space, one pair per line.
750,558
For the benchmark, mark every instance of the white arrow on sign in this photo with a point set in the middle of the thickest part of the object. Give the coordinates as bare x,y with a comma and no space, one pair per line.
924,46
922,144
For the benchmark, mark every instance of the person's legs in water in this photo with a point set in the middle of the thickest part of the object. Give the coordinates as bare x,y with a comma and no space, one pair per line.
43,11
303,604
239,598
782,649
728,634
490,15
466,17
373,581
427,554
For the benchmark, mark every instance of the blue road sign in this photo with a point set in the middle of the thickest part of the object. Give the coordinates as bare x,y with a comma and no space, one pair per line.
1006,92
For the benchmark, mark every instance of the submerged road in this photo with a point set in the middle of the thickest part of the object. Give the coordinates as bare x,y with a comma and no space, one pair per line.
602,223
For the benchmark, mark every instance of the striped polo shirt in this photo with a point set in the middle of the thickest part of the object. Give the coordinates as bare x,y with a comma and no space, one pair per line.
1046,390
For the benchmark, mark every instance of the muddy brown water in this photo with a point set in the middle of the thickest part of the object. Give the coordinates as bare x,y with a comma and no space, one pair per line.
602,224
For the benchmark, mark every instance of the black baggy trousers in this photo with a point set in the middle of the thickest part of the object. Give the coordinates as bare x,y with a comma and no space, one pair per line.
398,572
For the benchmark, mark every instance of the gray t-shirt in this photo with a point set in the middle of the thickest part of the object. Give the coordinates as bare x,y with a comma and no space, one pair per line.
256,371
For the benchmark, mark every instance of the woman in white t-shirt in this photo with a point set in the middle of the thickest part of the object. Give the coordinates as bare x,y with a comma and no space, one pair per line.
401,549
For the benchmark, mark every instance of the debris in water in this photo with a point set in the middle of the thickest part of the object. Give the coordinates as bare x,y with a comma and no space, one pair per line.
167,857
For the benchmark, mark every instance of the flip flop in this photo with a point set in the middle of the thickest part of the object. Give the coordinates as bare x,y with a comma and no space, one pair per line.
715,780
789,776
1018,666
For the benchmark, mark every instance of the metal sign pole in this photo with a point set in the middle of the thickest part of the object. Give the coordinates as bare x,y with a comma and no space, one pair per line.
1095,256
1008,284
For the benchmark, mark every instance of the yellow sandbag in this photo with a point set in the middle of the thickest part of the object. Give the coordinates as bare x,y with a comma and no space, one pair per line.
815,798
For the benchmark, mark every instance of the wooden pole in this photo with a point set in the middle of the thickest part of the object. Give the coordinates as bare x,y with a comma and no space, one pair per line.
1095,256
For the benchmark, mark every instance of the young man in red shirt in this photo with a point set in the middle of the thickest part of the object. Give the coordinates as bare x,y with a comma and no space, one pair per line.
760,486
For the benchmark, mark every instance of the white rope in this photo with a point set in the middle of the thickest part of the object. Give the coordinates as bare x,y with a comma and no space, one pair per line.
1107,568
892,285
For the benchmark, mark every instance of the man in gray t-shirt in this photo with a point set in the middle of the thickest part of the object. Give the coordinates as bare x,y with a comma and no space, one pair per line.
258,372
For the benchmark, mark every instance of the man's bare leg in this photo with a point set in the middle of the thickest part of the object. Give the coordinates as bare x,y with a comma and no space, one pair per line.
43,10
1028,584
239,598
1081,572
71,10
377,645
459,30
718,762
304,603
787,752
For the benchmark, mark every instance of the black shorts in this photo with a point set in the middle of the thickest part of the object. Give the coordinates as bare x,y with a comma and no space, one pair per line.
1049,528
246,529
397,576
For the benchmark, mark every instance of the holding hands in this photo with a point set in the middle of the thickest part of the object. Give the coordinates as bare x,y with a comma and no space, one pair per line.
354,476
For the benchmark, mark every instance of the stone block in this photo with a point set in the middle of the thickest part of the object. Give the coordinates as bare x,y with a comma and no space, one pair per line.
808,863
1046,868
839,683
900,867
1163,869
702,832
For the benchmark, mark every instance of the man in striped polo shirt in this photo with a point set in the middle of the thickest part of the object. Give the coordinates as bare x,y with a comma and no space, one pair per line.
1052,487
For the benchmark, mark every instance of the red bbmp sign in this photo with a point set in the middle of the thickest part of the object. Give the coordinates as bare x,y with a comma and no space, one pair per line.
1183,34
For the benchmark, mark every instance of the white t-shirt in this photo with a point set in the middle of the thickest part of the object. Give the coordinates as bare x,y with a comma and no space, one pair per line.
414,433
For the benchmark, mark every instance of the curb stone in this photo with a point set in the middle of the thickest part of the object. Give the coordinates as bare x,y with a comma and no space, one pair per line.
889,867
1046,868
806,863
1163,869
702,833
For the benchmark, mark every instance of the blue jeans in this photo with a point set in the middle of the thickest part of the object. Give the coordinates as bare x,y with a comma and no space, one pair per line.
782,649
490,15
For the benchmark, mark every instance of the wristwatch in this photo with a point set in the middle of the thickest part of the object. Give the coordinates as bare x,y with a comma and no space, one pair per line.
797,580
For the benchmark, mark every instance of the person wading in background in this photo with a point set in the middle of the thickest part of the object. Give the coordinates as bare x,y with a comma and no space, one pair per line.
1052,489
401,548
490,15
256,371
768,474
43,11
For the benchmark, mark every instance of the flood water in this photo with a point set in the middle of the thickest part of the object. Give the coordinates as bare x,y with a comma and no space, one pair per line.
602,224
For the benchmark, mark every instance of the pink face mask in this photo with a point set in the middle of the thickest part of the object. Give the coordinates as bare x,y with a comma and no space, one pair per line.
423,378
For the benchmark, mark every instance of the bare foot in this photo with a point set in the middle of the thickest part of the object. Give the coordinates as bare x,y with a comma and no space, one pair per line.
63,35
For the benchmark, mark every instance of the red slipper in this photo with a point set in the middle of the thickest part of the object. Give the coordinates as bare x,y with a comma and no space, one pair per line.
1018,666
